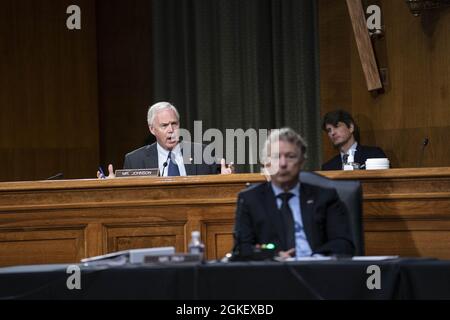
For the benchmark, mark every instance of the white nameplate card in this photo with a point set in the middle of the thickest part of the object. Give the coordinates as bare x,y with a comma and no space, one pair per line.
173,258
130,256
124,173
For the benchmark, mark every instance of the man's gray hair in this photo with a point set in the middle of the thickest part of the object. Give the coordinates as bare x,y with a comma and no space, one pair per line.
154,109
287,135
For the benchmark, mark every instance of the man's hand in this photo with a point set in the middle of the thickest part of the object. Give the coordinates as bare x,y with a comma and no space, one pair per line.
283,255
226,169
111,174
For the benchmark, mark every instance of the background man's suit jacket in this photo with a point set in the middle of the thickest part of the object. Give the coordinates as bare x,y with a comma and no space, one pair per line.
325,220
147,157
361,155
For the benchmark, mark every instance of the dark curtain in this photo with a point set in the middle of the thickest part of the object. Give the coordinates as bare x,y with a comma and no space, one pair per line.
239,64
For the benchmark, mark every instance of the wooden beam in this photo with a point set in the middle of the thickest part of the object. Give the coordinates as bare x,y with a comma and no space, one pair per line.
365,49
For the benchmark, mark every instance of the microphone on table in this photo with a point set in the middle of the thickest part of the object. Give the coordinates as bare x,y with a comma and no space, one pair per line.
57,176
165,165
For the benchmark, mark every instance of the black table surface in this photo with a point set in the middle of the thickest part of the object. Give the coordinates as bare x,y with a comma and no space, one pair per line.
333,279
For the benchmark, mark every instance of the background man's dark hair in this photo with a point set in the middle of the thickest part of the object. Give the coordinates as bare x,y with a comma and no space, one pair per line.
333,117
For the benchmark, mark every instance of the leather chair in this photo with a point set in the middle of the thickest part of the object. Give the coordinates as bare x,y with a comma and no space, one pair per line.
350,193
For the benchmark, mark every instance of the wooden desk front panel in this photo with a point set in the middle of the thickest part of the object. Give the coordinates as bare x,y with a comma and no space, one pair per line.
59,222
406,212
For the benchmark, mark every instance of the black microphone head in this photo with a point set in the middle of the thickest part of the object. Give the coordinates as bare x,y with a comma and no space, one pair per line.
165,164
422,151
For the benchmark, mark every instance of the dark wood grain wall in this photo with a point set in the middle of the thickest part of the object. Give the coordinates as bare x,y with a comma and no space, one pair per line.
48,91
124,65
54,83
71,100
416,101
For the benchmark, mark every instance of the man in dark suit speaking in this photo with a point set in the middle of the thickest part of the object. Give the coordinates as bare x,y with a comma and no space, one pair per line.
298,218
167,152
344,135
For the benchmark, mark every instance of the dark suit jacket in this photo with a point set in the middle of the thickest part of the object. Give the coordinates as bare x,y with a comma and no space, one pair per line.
147,157
361,155
325,220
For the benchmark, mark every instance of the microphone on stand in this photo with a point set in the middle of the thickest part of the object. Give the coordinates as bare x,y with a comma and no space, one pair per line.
57,176
165,164
422,151
164,168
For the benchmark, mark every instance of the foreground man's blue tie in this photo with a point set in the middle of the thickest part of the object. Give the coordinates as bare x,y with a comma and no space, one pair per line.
173,167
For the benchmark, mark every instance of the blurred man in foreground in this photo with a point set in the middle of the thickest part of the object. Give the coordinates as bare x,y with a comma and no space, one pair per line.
298,218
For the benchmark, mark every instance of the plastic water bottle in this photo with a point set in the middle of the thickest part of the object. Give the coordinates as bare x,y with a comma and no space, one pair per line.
196,246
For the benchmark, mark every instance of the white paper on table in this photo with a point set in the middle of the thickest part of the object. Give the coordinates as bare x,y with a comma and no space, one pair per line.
373,258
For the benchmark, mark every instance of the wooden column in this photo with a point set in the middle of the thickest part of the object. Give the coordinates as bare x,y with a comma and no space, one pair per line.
364,44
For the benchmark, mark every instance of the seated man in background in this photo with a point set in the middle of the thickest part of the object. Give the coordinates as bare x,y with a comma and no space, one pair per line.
167,152
344,135
298,218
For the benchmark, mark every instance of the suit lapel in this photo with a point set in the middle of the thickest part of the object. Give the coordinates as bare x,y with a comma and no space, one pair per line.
337,162
190,168
359,154
151,157
273,213
307,207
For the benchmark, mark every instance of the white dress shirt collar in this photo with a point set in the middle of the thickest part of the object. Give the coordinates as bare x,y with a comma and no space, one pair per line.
295,190
352,150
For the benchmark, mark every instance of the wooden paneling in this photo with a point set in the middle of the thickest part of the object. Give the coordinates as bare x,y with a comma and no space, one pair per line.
415,103
426,238
124,69
406,212
34,245
135,236
122,214
56,82
48,96
219,237
335,74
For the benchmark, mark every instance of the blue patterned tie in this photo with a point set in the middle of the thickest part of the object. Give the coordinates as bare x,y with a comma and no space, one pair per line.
173,167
